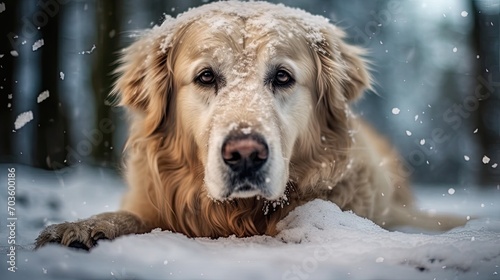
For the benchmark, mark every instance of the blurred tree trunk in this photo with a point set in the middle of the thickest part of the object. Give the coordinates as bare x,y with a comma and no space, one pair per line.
487,44
51,131
108,22
8,24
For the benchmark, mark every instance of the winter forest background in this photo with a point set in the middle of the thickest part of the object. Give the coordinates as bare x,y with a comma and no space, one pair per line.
435,63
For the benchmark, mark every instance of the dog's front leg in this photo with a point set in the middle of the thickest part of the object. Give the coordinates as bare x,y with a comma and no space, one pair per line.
86,233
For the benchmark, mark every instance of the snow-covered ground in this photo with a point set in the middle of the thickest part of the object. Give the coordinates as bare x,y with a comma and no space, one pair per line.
317,240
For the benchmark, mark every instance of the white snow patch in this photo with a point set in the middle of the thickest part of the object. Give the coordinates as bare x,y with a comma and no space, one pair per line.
22,119
246,130
467,158
455,49
42,96
486,159
451,191
38,44
408,133
61,75
422,142
14,53
464,13
317,238
395,111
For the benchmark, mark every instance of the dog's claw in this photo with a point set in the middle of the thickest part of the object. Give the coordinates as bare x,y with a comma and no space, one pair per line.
81,235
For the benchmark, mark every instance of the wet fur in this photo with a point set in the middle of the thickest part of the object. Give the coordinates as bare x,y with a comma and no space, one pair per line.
337,158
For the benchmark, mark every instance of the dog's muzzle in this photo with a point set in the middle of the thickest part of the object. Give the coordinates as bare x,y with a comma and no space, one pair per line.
245,155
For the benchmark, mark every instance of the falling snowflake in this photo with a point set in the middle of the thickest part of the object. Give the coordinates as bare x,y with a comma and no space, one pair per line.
42,96
408,133
23,119
88,52
486,159
466,158
395,111
38,44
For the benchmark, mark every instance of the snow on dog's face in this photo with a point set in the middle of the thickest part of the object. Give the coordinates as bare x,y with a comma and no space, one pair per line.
252,85
244,92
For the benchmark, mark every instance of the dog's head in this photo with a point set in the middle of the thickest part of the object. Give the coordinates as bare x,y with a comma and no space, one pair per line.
254,87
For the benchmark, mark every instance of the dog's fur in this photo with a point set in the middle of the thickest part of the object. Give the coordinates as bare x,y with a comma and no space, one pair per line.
316,147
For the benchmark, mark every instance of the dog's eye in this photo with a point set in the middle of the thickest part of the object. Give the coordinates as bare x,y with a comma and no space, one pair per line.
282,78
207,77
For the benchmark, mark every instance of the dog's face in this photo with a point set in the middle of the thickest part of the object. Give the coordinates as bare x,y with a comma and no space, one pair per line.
245,96
248,83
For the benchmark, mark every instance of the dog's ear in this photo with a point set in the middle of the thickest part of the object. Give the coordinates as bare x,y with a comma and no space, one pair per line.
145,80
341,66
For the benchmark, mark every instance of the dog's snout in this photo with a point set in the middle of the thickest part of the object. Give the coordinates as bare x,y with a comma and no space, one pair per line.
245,153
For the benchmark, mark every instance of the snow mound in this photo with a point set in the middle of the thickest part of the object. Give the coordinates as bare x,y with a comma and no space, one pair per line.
317,220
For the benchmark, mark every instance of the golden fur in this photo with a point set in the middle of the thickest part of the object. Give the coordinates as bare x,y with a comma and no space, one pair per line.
327,152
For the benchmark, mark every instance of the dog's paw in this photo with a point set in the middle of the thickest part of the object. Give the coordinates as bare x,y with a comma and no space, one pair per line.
82,235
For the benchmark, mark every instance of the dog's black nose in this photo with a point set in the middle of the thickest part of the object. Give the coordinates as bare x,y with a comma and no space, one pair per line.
245,153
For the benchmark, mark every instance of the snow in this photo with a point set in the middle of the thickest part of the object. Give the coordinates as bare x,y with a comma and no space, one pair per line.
261,15
395,111
61,75
42,96
38,44
486,159
14,53
22,119
316,241
90,51
2,7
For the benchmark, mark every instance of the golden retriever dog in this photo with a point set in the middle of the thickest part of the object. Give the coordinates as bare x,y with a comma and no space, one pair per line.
239,113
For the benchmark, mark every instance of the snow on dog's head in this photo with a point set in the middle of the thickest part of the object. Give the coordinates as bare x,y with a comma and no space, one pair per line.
250,96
